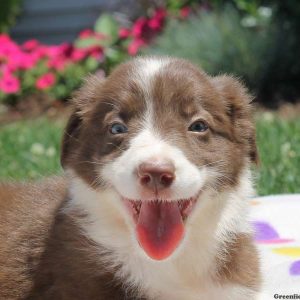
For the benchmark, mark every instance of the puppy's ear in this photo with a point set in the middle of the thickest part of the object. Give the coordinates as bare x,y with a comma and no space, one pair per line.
239,109
83,103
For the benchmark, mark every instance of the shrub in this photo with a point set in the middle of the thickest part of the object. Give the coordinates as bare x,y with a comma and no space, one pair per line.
57,70
283,75
256,43
219,42
8,12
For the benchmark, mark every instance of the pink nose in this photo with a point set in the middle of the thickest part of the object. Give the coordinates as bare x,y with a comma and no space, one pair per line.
156,174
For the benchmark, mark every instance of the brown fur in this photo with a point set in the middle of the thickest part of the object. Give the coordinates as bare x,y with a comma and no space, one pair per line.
26,215
222,101
238,263
44,255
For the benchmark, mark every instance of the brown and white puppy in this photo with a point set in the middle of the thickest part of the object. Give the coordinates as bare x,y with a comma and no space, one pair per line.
154,204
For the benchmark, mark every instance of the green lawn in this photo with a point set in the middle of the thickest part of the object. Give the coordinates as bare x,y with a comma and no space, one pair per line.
30,149
279,148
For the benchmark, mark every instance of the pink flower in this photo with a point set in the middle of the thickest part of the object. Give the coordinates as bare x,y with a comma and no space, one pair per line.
54,51
160,13
124,33
45,81
135,46
66,49
185,12
40,52
78,54
86,33
57,64
30,45
4,38
156,22
28,62
96,52
139,27
7,47
9,84
21,60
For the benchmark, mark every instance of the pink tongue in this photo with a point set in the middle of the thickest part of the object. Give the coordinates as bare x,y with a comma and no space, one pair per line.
159,228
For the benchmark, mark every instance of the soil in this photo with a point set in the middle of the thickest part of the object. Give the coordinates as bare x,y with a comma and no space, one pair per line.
33,107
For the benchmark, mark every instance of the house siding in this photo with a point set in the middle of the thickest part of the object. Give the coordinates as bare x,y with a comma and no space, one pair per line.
56,21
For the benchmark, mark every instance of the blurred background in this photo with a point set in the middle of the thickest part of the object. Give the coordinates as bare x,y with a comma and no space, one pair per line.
47,48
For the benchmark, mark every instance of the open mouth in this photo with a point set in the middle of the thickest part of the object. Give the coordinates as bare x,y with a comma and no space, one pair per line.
160,224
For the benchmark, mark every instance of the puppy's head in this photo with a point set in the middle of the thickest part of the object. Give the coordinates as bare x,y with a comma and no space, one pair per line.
159,132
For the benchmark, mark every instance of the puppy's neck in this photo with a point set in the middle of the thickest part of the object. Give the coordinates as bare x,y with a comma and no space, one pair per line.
221,218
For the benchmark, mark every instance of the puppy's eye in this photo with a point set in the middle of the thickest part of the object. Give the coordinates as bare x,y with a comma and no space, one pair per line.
198,126
118,128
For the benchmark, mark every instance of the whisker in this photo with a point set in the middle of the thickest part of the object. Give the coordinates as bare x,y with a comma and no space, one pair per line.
91,162
214,162
71,136
117,146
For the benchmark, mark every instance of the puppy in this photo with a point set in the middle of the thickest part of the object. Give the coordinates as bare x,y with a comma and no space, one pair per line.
155,197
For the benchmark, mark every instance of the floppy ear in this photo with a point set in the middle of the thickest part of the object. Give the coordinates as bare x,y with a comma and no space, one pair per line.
70,137
83,102
239,109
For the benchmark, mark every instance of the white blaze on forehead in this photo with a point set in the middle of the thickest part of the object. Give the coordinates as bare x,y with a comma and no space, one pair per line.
146,69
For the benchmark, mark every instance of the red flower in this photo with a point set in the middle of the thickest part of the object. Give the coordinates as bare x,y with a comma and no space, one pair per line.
135,46
160,13
185,12
139,27
156,22
45,81
9,84
96,52
124,33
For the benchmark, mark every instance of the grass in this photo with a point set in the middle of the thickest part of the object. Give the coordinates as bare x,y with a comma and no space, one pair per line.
278,143
30,149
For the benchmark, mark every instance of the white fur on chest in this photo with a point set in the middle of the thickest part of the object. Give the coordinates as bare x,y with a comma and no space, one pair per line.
187,273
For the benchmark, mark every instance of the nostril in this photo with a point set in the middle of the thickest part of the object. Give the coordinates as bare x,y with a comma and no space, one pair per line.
145,179
166,179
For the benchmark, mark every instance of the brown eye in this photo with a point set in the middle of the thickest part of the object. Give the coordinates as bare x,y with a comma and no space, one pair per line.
118,128
198,126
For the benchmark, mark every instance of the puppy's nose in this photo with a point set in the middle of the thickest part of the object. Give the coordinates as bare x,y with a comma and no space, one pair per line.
156,174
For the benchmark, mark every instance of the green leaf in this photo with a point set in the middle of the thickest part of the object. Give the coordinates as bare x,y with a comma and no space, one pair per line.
91,64
86,42
114,56
107,25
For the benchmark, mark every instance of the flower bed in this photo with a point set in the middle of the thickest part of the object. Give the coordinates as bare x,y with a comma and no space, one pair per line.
268,66
33,67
